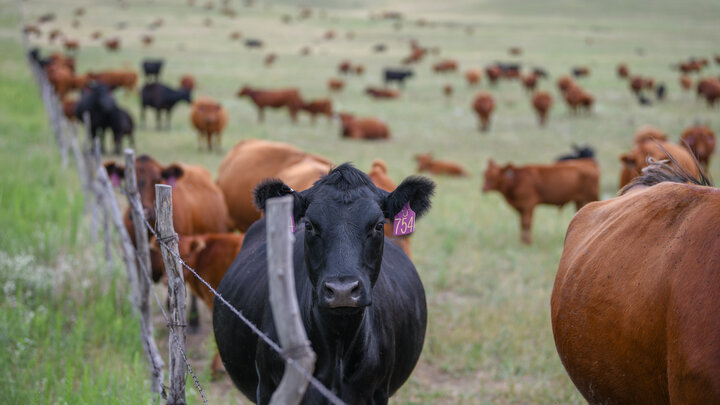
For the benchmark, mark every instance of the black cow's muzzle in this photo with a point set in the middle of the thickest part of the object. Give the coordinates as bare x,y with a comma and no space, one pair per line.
343,293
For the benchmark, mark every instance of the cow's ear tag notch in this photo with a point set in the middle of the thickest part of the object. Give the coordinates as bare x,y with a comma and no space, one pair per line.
404,221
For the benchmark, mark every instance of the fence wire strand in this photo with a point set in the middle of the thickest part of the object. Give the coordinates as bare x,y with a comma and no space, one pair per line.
136,206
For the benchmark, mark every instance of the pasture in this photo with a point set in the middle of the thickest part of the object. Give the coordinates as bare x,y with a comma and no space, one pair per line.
489,338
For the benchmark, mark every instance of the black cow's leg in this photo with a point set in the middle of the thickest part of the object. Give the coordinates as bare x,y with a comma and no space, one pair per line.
193,316
158,115
142,116
167,117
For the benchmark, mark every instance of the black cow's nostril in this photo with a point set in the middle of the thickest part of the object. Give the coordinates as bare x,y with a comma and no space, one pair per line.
329,293
342,293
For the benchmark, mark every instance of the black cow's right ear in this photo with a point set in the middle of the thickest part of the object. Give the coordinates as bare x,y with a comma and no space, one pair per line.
272,188
116,173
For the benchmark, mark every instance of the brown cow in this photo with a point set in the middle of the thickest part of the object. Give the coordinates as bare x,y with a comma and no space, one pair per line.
345,67
289,98
542,102
335,84
484,106
32,29
117,78
270,59
701,142
96,35
493,73
319,107
565,83
559,183
147,39
473,76
363,128
235,35
187,82
622,71
71,44
636,159
68,106
634,305
112,44
447,65
210,255
198,204
416,55
637,84
253,160
448,90
61,78
709,88
649,133
530,82
209,118
686,82
379,92
440,167
378,175
359,70
578,99
54,34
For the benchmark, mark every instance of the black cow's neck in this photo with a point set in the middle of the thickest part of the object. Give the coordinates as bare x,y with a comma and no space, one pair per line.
338,338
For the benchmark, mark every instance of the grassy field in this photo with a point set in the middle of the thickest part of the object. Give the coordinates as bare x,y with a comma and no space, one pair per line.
489,338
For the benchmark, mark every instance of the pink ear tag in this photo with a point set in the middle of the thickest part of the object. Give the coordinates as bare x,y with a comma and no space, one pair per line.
292,224
115,180
404,221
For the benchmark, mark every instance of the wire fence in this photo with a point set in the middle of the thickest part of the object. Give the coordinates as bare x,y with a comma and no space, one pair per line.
88,164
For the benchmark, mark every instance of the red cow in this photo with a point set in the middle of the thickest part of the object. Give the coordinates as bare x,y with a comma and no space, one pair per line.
117,78
345,67
524,187
493,73
209,118
335,84
686,82
71,44
448,90
319,107
187,82
701,142
379,92
289,98
578,99
484,106
649,133
530,81
270,59
473,76
565,83
622,71
112,44
441,167
253,160
147,39
542,102
634,305
363,128
447,65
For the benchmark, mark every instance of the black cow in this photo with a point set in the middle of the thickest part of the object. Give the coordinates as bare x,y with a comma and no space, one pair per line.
161,98
152,68
644,100
97,99
360,297
540,72
397,75
660,91
253,43
379,48
579,152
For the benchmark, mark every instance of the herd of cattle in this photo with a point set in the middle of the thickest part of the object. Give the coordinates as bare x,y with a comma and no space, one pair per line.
361,299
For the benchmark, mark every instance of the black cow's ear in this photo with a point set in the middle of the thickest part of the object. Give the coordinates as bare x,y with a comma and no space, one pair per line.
272,188
416,190
116,173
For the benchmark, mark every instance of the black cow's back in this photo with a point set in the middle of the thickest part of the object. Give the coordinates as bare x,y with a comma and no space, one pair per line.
397,316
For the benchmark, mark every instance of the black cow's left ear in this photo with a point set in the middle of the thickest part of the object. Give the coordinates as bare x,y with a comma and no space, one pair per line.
416,190
272,188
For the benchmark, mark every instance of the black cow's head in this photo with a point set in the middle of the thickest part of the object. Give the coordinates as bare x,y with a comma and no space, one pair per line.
343,216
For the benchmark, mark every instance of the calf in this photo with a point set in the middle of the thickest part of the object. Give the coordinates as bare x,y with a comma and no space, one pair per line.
97,100
484,106
319,107
524,187
360,298
161,98
542,102
289,98
335,84
397,75
440,167
700,140
151,68
376,92
209,118
363,128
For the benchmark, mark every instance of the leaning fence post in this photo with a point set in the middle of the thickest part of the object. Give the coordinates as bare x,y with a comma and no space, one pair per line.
143,256
176,292
105,187
283,301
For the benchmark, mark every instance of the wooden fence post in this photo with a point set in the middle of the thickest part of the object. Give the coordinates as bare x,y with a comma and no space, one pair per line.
143,256
176,293
283,301
128,252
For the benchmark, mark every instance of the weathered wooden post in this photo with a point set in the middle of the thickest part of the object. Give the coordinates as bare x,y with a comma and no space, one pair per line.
176,293
283,301
100,197
143,256
128,252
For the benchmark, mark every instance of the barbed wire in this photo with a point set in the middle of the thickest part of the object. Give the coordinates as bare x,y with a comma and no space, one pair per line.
137,207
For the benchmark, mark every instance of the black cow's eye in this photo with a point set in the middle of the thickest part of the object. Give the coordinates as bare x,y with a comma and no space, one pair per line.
309,226
380,226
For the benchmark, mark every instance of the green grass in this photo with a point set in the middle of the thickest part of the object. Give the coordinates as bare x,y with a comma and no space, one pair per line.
489,338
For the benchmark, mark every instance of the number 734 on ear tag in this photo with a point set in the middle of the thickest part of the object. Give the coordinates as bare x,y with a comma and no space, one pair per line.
404,221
